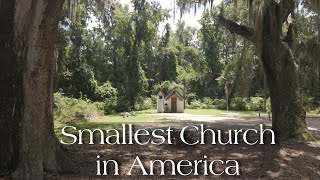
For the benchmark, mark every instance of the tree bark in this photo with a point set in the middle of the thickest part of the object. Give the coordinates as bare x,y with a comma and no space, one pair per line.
283,75
32,30
11,100
280,66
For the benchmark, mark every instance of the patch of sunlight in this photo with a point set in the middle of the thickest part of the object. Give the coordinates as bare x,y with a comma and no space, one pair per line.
273,174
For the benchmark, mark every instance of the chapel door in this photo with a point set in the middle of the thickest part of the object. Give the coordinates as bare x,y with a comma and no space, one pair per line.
174,104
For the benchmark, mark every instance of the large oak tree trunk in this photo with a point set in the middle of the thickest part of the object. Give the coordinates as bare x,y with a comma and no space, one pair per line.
11,100
280,65
283,74
27,46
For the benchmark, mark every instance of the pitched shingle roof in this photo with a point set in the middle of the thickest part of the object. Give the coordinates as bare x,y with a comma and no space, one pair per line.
172,93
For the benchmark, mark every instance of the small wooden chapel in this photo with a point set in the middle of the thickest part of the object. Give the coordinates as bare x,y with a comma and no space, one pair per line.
173,102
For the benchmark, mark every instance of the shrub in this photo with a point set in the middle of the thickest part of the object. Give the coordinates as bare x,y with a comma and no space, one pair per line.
238,104
67,110
207,103
255,104
105,91
191,97
154,99
123,104
110,105
144,104
195,104
100,106
83,83
220,104
309,104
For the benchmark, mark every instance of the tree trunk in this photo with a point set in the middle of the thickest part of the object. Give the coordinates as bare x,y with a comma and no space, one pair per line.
280,66
288,114
32,27
11,100
283,76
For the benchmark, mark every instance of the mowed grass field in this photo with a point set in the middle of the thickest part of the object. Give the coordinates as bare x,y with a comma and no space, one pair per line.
114,121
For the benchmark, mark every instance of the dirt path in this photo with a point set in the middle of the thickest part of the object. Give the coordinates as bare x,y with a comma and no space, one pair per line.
285,160
232,120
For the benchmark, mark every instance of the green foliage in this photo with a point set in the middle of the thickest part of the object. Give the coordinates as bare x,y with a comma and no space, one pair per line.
310,104
184,33
195,104
238,104
123,105
124,60
220,104
154,99
105,91
83,81
79,82
167,65
166,87
255,104
110,105
207,102
190,97
67,110
145,104
268,105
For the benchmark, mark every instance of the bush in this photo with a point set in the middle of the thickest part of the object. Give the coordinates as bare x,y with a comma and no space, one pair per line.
195,104
110,105
191,97
100,106
105,91
238,104
154,99
255,104
67,110
309,104
83,83
220,104
144,104
207,103
123,104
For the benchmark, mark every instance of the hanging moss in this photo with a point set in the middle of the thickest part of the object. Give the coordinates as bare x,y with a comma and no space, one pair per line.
104,6
72,9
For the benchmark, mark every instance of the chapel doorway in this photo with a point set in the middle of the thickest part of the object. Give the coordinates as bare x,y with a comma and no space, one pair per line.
174,104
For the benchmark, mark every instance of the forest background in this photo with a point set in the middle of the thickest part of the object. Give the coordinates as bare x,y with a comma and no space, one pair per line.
120,61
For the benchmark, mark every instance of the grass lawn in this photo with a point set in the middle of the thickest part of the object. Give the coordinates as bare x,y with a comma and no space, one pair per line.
114,121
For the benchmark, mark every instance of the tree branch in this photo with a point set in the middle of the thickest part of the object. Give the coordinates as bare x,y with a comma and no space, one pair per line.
233,27
289,38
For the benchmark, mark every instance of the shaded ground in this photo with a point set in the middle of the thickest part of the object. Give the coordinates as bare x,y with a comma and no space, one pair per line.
286,160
